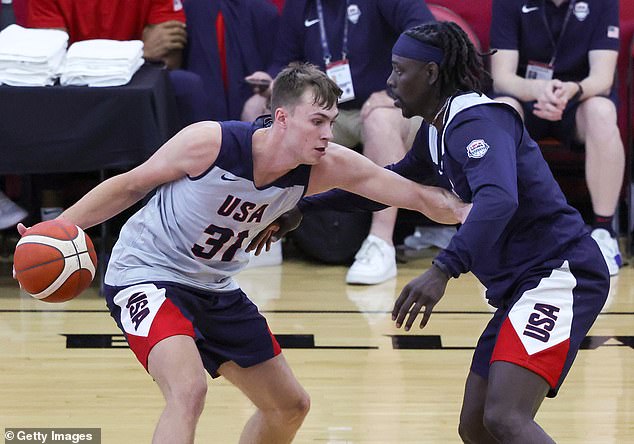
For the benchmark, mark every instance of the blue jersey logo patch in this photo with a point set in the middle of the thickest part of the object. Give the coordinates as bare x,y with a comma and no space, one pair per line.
477,148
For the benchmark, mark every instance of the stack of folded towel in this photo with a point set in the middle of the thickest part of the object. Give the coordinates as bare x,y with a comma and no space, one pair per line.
102,62
31,57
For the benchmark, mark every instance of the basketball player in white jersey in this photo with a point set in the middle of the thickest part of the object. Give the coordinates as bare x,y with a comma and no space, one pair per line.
169,282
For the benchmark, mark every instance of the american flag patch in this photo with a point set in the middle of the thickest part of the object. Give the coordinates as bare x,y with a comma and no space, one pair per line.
613,32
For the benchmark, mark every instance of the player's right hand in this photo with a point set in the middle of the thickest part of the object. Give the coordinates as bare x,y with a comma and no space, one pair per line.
422,293
21,230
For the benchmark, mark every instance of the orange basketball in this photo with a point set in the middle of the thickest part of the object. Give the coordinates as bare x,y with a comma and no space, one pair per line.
54,261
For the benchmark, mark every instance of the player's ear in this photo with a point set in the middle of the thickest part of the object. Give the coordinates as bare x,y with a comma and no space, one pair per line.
280,115
433,72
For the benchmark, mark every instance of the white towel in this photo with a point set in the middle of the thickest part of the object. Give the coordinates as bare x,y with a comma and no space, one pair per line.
31,45
31,57
102,62
111,78
106,51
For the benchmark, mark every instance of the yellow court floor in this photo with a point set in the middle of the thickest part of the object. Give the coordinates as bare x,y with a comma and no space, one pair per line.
67,365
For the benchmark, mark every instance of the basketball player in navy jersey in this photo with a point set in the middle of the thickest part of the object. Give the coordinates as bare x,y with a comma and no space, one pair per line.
543,271
169,281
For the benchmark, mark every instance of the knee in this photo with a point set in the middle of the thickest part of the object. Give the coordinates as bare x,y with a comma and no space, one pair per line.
502,423
189,397
299,408
254,107
382,119
598,114
294,412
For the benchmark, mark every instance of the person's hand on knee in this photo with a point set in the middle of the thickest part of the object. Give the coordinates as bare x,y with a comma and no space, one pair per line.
379,99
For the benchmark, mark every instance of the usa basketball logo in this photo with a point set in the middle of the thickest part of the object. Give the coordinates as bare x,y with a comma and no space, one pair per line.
477,149
581,11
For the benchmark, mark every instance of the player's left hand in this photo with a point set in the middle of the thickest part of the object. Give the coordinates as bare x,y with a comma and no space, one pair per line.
264,239
275,231
424,291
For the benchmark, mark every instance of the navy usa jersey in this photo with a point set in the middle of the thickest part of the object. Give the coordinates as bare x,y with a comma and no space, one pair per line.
520,217
193,231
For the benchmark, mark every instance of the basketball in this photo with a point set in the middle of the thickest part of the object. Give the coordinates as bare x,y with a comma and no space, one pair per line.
54,261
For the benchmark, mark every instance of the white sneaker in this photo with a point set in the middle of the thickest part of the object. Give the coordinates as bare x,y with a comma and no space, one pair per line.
610,248
267,258
375,262
10,212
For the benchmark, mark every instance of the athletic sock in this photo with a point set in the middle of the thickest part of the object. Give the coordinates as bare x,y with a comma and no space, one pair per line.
604,222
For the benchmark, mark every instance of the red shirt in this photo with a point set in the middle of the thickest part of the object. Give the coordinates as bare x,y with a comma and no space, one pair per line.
105,19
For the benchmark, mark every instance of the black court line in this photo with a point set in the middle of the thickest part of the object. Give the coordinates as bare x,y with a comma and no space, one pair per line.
286,341
307,341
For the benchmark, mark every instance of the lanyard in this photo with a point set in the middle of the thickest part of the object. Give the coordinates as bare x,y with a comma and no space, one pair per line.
563,29
324,40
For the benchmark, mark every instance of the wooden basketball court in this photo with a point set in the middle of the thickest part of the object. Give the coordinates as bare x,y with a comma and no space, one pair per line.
67,365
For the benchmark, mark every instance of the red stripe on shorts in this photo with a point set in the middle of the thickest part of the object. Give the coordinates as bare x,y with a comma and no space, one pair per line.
276,346
548,363
169,321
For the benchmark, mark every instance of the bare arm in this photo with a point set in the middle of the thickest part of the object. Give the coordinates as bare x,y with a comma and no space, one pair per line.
165,41
602,67
350,171
191,151
505,80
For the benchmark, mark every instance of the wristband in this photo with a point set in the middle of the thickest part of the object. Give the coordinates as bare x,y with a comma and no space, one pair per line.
578,94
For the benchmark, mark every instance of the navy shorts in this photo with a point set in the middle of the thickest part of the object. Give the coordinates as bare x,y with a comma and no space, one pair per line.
547,315
226,326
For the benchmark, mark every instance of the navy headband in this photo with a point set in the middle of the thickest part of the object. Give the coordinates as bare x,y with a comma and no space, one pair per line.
412,48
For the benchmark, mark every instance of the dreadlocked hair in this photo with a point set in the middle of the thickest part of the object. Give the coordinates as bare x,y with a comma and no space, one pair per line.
461,68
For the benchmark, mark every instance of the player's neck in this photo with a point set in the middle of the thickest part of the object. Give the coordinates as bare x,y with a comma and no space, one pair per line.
439,117
269,161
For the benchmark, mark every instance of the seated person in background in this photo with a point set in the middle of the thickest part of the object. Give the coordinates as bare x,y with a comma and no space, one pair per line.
160,24
555,65
353,44
228,40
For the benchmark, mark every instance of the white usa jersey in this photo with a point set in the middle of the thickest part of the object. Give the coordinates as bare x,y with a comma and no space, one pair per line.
194,231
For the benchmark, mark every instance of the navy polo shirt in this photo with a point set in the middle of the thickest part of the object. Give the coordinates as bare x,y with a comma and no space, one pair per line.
533,27
373,27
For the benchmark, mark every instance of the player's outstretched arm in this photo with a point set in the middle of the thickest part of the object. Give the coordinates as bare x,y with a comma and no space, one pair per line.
190,152
350,171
